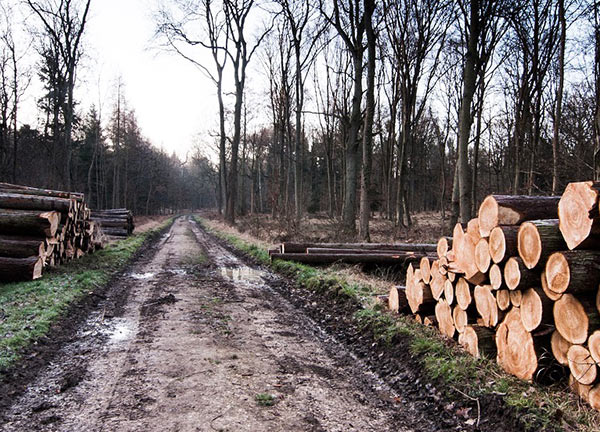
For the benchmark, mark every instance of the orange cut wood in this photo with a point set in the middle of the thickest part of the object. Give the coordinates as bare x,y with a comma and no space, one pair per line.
514,209
443,313
571,319
482,255
582,365
503,243
516,350
560,347
578,212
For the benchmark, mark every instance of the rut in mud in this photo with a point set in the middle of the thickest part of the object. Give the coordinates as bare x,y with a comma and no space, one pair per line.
202,343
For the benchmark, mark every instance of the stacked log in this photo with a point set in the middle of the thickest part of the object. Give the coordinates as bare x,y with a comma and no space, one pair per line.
40,228
380,254
114,222
521,281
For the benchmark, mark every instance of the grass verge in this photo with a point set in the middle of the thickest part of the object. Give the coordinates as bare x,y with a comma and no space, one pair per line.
538,407
28,309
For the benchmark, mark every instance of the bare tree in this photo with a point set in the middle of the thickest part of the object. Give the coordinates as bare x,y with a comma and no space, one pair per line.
176,22
64,23
348,18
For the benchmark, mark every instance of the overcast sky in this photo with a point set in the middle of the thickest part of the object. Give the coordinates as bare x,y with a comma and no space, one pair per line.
173,101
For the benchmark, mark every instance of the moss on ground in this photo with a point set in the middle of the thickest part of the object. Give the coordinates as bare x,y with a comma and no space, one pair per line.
540,408
28,309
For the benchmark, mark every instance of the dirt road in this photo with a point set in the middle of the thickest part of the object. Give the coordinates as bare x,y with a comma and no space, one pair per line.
201,342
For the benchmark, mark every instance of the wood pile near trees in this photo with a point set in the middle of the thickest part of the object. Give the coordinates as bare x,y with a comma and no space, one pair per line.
40,228
521,284
382,254
114,222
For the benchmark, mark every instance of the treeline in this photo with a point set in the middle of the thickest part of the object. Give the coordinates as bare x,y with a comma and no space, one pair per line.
395,106
114,164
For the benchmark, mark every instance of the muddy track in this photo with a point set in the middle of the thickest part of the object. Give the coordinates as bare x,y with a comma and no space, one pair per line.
203,341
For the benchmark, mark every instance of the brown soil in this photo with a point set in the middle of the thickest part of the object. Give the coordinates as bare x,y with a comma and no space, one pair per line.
190,338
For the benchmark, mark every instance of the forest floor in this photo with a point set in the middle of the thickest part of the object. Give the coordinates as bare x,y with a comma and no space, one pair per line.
196,336
426,227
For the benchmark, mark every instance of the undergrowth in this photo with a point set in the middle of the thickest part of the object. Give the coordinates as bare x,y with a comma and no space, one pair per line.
28,309
539,407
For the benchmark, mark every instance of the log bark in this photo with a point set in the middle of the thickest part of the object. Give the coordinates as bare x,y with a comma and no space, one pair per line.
578,213
572,320
21,248
443,313
35,202
478,340
379,259
573,271
517,275
582,365
503,243
486,305
482,256
16,269
516,349
538,239
536,309
30,223
514,209
289,247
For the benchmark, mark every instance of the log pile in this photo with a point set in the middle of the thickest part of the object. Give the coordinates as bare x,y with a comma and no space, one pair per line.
114,222
40,228
380,254
520,283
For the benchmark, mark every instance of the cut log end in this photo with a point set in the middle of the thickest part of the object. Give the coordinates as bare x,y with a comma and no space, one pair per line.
443,313
486,305
574,208
462,293
512,273
560,347
571,319
529,244
393,300
516,351
495,276
582,365
482,255
460,318
594,346
503,299
488,216
557,273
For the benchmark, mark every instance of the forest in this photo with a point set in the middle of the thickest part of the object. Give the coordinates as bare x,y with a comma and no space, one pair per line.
364,108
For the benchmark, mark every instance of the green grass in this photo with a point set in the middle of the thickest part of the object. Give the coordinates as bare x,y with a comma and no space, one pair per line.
265,399
28,309
547,408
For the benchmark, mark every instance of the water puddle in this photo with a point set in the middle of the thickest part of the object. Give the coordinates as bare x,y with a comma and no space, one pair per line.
120,330
242,274
177,272
141,276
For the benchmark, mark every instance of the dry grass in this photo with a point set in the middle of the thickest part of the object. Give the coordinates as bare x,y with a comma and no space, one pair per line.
427,227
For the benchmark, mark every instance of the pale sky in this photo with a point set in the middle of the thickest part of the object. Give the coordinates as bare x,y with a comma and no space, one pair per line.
173,101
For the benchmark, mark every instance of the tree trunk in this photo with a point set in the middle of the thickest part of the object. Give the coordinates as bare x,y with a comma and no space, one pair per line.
465,118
